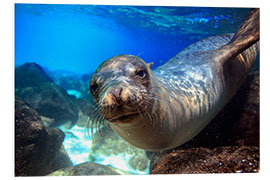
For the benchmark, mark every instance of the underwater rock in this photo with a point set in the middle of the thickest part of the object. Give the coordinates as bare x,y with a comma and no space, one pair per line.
85,105
85,169
82,120
36,146
62,160
76,83
107,144
79,86
70,82
44,96
30,75
48,122
236,125
246,130
138,163
232,159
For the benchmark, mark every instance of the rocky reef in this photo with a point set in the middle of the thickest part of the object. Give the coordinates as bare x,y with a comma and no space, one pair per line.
77,83
85,169
41,105
35,87
37,148
229,144
203,160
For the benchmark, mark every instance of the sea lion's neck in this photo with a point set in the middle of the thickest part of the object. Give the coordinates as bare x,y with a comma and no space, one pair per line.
193,97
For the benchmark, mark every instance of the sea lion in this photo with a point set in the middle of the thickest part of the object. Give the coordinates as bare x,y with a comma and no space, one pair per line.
164,108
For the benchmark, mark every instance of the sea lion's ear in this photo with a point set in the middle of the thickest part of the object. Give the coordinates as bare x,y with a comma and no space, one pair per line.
150,64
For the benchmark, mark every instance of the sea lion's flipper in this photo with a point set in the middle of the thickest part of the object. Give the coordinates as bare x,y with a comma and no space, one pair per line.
247,35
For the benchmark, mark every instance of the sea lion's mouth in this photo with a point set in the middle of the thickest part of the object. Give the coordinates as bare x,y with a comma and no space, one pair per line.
124,118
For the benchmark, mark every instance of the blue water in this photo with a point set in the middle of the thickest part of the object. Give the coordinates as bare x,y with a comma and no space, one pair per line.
78,38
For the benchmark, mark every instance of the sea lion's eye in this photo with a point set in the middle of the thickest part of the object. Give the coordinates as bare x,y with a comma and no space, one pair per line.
141,73
93,88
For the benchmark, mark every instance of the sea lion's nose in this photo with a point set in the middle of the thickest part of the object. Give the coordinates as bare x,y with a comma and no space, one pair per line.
116,92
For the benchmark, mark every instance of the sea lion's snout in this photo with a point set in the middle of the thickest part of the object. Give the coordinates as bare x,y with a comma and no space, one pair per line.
122,96
120,103
116,94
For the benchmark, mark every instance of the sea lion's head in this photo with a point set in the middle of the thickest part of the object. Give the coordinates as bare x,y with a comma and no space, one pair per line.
122,87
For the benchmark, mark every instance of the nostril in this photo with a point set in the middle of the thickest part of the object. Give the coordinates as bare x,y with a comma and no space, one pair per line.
117,93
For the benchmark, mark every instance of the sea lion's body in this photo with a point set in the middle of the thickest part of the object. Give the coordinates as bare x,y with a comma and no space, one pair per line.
165,108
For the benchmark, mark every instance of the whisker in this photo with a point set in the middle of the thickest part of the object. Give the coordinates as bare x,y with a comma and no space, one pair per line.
95,121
